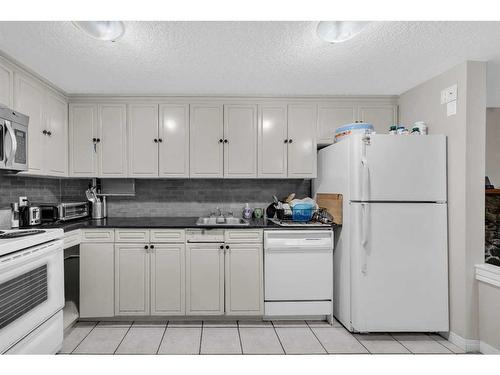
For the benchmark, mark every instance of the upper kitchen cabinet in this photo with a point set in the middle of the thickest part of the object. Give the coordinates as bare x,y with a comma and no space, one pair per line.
6,86
380,116
83,140
112,140
47,129
174,140
143,140
240,141
272,141
287,141
302,140
332,116
56,138
206,157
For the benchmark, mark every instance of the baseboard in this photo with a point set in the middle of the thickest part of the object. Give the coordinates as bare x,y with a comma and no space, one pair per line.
470,346
487,349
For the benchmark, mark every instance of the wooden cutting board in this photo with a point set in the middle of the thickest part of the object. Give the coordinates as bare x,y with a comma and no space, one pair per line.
332,203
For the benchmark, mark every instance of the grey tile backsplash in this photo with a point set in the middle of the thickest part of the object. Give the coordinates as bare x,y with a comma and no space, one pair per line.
158,197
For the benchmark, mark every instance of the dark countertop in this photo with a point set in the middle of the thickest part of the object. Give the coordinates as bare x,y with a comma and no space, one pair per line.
161,222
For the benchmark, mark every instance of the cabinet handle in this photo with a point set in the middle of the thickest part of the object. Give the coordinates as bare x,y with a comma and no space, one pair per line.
290,140
221,247
44,132
155,140
226,141
221,140
146,247
151,246
286,141
160,140
98,140
227,247
49,133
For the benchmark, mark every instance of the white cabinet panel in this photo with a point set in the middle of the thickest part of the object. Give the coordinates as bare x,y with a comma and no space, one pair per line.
272,149
112,144
97,280
6,86
29,100
174,140
240,141
82,132
168,279
206,140
56,142
131,279
142,133
204,279
332,116
380,116
244,279
302,140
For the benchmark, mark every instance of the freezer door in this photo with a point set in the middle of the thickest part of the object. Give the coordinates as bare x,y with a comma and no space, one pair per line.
398,168
399,267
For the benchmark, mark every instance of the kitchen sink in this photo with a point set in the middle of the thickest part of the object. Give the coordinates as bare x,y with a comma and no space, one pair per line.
221,221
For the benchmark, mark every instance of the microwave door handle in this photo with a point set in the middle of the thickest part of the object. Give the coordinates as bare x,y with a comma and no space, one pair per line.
13,151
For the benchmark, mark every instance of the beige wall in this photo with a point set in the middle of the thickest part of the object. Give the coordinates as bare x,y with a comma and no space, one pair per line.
465,132
493,145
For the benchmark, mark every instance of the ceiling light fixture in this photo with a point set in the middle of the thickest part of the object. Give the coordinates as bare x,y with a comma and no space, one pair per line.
102,30
339,31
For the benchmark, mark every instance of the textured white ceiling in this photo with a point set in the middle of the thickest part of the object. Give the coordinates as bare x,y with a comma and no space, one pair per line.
251,58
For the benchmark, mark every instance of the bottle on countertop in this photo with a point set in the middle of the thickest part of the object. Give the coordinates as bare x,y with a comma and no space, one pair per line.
422,127
14,215
247,212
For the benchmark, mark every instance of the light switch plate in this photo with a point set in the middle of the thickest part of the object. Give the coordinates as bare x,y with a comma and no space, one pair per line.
451,108
451,93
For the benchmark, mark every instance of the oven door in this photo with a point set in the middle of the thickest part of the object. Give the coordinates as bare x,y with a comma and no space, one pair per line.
31,290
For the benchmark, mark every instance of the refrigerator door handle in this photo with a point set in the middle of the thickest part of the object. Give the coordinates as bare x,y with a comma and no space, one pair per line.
364,237
365,173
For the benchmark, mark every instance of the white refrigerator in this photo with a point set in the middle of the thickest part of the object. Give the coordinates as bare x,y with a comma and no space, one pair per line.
391,253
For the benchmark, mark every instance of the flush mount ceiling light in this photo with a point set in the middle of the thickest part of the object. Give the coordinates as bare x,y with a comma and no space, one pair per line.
102,30
339,31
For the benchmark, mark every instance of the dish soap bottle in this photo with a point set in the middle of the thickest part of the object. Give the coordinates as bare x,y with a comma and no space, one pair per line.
247,211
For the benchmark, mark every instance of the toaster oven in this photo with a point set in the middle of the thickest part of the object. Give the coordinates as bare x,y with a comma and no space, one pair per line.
64,211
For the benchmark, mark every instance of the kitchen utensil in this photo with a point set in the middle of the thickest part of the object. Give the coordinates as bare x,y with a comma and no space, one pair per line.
290,198
257,213
271,210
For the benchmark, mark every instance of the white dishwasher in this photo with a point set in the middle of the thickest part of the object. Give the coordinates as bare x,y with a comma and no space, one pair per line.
298,273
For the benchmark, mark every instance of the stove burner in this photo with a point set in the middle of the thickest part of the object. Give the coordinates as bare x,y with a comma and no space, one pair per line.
22,233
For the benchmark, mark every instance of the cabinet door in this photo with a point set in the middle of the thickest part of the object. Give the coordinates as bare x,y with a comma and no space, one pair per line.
131,279
381,117
330,117
82,132
142,133
56,150
97,280
29,100
204,279
6,86
112,135
244,279
206,135
174,140
240,141
168,279
302,141
272,149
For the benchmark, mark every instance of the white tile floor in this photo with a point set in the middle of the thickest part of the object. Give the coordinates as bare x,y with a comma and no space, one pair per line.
242,337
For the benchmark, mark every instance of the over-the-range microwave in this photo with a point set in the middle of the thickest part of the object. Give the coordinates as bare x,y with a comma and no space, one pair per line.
13,140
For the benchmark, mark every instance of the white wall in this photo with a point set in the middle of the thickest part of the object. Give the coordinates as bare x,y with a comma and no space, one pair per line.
493,145
465,132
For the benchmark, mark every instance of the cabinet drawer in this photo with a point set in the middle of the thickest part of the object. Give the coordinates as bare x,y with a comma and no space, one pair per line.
72,238
168,235
243,235
98,235
132,235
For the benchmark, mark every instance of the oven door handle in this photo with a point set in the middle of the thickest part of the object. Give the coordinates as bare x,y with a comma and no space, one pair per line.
30,254
13,150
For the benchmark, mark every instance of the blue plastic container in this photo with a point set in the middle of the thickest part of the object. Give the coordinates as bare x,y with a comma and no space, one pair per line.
302,212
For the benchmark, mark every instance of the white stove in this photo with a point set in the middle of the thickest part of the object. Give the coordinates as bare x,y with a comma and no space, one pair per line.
31,291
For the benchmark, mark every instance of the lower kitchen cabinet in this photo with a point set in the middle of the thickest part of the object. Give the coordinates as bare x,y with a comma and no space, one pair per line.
204,279
97,280
244,279
132,279
168,279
